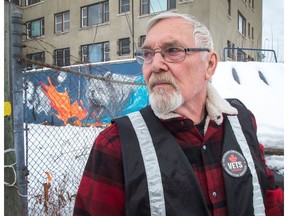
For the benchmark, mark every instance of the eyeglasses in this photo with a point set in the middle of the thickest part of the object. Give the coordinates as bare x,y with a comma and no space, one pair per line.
171,54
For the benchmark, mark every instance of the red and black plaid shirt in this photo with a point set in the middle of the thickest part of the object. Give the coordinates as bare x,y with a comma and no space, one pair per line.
101,191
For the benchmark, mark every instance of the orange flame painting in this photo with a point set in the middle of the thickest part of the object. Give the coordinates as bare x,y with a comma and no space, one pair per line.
61,102
49,177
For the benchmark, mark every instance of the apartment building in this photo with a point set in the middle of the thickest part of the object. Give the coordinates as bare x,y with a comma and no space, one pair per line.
66,32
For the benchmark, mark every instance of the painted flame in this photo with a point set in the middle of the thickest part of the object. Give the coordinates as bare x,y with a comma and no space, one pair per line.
61,102
49,177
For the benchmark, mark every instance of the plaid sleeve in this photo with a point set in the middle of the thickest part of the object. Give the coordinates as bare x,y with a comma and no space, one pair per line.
101,190
274,201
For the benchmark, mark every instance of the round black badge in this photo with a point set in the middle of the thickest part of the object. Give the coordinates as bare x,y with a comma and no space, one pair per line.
234,163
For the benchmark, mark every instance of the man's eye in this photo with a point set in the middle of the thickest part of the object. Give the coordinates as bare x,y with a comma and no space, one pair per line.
147,53
173,50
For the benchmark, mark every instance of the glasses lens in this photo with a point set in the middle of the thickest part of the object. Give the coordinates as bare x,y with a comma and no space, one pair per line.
174,54
144,56
139,56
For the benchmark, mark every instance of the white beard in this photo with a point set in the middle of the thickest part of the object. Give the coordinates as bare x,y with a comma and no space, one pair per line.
164,102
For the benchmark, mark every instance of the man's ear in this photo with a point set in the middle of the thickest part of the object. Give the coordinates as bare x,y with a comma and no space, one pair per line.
212,64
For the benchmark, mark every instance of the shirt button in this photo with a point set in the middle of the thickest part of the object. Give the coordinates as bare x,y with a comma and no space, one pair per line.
204,147
214,194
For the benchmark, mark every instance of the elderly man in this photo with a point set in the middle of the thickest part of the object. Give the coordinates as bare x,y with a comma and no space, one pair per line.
190,152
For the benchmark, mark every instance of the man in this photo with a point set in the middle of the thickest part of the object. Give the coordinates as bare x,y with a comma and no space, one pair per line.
187,154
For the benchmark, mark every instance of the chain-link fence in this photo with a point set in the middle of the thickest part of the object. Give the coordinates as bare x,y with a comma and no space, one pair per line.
64,112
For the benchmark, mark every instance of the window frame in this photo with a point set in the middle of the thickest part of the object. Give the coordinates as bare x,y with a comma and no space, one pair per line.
145,6
229,7
242,27
249,32
124,7
105,54
141,40
65,60
104,14
29,28
124,46
31,2
62,23
31,55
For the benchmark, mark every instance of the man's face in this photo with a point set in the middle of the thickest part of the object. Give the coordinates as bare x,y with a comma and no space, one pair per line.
166,80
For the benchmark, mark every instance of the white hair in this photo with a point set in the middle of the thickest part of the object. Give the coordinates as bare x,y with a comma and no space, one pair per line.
201,34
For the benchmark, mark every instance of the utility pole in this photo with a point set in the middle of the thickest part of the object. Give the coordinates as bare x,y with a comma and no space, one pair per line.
15,199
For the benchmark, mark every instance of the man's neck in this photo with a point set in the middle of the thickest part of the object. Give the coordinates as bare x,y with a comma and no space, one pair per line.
196,114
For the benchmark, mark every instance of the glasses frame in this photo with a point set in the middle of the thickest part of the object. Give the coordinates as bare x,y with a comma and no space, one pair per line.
140,58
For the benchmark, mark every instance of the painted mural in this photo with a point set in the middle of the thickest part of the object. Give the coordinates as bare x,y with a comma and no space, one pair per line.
59,98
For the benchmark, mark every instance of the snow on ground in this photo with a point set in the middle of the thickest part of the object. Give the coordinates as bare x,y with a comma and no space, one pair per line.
261,89
265,100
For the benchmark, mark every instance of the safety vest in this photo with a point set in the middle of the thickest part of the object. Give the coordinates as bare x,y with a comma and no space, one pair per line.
159,179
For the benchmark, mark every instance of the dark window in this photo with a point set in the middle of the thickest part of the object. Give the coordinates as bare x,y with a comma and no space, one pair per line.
229,7
229,51
35,28
40,57
62,57
152,6
62,22
241,56
30,2
95,14
124,6
241,24
124,46
98,52
141,41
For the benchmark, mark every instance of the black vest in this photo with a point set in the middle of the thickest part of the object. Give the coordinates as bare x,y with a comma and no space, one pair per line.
183,195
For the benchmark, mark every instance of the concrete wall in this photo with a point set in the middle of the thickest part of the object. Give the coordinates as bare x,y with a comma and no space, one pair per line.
212,13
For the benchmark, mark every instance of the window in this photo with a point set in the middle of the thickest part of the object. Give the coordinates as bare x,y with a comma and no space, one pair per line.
241,56
229,7
35,28
30,2
124,6
153,6
95,52
233,51
251,3
62,22
62,57
249,34
229,51
95,14
36,57
241,24
252,33
124,46
141,40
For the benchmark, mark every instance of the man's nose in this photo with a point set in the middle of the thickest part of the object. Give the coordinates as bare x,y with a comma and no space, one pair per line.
158,62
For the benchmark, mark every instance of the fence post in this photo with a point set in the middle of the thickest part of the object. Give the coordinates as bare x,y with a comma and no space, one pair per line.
17,106
12,202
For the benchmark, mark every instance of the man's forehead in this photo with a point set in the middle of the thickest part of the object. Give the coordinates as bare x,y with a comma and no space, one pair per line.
163,44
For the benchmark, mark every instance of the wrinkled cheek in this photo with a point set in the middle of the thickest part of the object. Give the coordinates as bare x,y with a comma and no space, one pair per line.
146,73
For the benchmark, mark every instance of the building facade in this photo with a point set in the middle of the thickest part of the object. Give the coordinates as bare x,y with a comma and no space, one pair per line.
71,32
